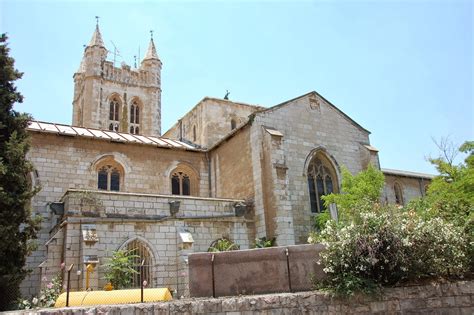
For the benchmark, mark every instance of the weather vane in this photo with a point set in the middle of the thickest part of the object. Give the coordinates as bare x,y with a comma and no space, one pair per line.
97,19
151,34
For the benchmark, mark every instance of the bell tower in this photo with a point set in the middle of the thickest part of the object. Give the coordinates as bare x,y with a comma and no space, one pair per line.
122,99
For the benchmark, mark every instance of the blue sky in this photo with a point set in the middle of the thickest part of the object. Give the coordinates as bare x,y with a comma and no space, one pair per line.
401,69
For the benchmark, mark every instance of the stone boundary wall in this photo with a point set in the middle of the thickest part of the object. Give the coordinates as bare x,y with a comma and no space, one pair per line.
254,271
454,298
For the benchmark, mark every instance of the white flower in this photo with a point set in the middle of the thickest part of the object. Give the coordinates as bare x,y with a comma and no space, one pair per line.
34,301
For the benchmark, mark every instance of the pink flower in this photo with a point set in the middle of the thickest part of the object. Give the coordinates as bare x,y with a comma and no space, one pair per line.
63,265
50,285
145,283
44,278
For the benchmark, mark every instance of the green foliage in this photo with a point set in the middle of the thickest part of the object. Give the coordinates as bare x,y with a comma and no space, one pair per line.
223,245
320,220
17,226
47,296
451,193
387,247
357,191
119,270
263,242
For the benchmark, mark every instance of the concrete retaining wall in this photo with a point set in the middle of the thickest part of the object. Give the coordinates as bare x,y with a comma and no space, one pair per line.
255,271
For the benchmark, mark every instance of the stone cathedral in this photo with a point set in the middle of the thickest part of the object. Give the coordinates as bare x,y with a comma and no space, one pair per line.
111,180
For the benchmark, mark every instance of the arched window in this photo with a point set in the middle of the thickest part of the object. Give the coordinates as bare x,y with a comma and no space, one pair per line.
194,133
136,247
233,124
183,181
321,181
134,117
114,110
398,194
109,175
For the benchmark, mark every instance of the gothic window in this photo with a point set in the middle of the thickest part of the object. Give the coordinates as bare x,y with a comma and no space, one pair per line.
398,194
321,181
138,248
233,124
108,178
114,110
183,181
134,117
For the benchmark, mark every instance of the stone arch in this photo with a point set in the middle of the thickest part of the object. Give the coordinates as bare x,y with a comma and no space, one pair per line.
322,151
184,169
322,178
146,251
105,167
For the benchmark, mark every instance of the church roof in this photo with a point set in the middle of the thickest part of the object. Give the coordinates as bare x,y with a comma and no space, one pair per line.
96,39
112,136
151,52
389,171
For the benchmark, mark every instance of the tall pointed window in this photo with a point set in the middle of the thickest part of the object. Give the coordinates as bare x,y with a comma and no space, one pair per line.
194,133
135,118
321,181
184,181
114,111
233,124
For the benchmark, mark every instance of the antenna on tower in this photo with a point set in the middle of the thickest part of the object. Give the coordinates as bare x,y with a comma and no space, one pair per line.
97,20
116,52
135,63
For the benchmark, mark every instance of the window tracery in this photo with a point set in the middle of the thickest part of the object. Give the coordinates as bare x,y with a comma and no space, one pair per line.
135,118
114,111
183,181
321,181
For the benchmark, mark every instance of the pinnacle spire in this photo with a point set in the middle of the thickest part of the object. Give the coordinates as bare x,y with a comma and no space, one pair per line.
96,39
151,52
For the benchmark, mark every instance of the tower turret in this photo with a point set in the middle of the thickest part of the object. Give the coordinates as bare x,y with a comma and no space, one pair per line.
120,99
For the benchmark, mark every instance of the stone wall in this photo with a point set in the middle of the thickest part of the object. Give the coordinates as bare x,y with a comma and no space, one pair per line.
64,162
255,271
455,298
411,187
211,118
231,167
119,218
302,125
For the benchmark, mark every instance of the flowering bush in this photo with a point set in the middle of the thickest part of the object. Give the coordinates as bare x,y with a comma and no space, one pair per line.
47,296
386,247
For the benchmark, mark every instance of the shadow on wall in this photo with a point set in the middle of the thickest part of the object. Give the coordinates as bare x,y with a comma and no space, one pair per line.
254,271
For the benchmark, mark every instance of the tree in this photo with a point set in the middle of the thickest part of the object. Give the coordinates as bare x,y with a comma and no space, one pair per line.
451,193
17,227
357,192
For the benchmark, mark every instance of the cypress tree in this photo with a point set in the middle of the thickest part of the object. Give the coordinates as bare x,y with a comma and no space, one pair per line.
18,228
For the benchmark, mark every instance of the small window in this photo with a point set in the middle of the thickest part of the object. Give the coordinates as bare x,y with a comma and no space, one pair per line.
194,133
108,178
233,124
184,181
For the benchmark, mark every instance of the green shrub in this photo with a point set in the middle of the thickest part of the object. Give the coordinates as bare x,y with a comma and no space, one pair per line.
223,245
263,242
119,270
386,247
